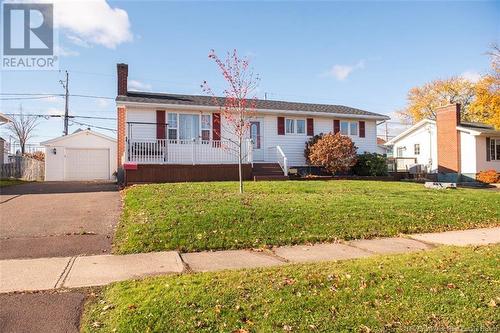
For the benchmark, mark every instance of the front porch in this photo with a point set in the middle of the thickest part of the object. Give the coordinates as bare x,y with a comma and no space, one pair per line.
168,160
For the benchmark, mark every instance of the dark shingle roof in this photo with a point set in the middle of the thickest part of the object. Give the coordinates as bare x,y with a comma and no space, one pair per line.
473,125
197,100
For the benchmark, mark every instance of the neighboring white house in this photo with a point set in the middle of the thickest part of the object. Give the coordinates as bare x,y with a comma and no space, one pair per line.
83,155
382,149
169,129
418,142
4,146
449,146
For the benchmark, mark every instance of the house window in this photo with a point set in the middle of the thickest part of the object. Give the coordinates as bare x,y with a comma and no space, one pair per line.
290,126
172,126
400,151
301,126
206,125
349,128
295,126
189,126
344,127
495,149
416,149
353,127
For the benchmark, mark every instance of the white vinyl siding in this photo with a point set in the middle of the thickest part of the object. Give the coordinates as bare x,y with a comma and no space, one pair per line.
292,143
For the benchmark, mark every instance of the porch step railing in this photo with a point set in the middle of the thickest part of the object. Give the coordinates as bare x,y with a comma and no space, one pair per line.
166,151
282,160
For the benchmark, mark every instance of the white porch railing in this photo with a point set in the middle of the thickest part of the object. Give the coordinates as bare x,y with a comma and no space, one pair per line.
282,160
165,151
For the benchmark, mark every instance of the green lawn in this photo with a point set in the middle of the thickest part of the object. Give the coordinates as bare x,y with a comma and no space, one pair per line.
440,290
203,216
9,182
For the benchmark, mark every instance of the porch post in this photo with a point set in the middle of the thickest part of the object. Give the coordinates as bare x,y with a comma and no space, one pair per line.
192,151
250,151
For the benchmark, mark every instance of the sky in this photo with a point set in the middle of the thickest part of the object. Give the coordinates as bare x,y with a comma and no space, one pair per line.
360,54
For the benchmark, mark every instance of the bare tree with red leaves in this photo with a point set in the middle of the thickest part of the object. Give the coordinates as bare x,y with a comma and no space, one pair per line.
237,104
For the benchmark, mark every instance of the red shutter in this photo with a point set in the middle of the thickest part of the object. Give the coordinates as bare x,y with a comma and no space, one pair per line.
361,129
281,125
160,124
310,126
216,126
336,126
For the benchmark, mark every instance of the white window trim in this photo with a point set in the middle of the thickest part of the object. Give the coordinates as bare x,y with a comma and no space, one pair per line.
171,127
349,127
295,127
206,129
494,142
200,122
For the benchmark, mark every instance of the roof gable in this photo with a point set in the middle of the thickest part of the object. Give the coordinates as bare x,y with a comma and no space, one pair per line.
410,130
75,134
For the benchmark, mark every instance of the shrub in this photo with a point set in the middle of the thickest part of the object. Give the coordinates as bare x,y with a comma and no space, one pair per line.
488,177
309,144
370,164
335,152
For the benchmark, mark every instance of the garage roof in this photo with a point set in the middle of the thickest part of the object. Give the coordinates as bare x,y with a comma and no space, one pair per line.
78,133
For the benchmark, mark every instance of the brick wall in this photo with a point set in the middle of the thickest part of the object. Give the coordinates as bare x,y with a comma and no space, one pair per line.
121,128
448,138
122,77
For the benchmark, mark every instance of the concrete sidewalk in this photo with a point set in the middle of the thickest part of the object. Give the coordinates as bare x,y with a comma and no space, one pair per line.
85,271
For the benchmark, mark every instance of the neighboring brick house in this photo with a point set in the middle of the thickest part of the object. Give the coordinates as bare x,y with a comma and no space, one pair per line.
454,149
172,137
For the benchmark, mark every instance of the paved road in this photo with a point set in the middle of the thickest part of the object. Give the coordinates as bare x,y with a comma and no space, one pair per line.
51,219
49,312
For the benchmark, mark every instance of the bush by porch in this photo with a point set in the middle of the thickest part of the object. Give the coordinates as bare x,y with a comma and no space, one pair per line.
209,216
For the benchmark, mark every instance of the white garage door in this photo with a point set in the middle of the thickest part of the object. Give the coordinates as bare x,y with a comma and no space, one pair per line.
86,164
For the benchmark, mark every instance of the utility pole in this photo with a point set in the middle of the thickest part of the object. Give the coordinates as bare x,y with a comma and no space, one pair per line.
66,97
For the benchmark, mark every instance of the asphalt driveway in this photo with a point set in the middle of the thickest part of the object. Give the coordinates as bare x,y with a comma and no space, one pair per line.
48,219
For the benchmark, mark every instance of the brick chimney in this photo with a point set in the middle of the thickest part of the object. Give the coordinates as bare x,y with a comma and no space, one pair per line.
448,138
122,71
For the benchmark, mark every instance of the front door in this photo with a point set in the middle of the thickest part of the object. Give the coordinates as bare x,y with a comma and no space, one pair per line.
256,136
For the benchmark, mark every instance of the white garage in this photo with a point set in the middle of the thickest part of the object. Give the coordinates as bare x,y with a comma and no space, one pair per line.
83,155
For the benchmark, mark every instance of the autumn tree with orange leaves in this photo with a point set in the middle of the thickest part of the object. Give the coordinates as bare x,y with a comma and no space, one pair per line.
424,100
480,101
486,105
237,104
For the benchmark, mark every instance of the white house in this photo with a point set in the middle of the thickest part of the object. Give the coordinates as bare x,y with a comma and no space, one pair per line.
417,144
4,147
158,133
449,146
83,155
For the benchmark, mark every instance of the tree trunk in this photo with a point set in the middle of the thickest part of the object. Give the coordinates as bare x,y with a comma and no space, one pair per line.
240,174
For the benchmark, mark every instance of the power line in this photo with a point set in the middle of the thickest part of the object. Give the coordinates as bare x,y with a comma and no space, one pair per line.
38,96
23,98
93,126
59,116
29,94
91,96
